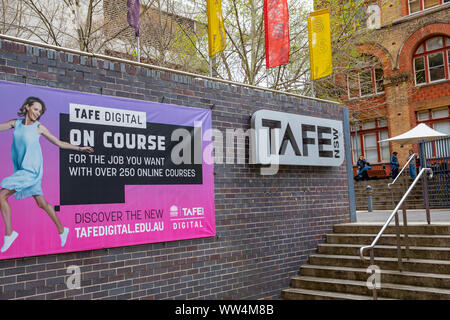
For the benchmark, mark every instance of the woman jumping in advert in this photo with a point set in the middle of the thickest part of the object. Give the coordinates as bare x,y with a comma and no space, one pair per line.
27,160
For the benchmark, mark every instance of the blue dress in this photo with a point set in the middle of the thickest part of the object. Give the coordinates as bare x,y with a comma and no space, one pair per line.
26,156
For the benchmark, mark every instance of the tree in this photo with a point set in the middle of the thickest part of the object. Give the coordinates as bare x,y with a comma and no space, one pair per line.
348,33
100,26
175,35
11,17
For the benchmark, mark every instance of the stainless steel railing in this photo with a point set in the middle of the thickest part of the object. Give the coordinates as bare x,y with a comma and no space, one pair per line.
394,214
405,229
413,156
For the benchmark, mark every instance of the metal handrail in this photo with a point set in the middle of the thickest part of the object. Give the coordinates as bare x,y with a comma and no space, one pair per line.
413,156
374,242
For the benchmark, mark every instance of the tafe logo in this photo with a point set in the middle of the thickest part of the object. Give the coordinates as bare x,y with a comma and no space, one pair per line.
292,139
197,211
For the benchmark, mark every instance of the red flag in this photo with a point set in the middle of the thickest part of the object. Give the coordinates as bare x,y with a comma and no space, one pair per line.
276,22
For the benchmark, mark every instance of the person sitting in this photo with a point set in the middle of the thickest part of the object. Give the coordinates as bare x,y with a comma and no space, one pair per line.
363,167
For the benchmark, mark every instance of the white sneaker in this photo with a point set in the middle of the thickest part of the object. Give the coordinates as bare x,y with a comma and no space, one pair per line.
64,236
8,240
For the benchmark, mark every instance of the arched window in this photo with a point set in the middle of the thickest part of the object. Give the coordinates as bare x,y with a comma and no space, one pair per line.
432,60
419,5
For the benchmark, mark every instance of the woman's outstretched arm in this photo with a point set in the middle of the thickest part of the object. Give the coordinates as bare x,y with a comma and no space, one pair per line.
7,125
61,144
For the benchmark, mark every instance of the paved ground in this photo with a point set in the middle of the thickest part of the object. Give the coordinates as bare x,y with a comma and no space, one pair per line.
413,216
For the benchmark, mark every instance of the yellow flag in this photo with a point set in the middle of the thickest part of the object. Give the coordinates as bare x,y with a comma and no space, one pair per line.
320,44
216,30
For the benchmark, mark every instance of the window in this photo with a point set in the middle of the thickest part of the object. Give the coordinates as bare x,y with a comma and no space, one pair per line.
367,143
364,83
439,125
370,147
442,127
382,123
422,116
419,68
353,85
369,125
384,146
419,5
436,66
438,119
440,113
356,148
431,60
414,5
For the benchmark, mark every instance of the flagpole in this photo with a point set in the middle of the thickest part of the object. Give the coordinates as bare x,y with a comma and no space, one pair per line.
138,50
312,89
210,67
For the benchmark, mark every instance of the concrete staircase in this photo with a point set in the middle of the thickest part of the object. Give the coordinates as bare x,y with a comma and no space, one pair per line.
337,272
384,198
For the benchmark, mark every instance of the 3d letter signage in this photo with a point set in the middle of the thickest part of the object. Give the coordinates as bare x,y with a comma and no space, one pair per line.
292,139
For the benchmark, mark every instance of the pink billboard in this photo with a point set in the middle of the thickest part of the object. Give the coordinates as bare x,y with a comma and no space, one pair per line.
84,171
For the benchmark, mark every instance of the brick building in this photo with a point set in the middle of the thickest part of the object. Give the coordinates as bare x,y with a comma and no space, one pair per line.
408,83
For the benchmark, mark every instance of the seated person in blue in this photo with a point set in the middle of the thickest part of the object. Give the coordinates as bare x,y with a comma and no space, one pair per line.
363,166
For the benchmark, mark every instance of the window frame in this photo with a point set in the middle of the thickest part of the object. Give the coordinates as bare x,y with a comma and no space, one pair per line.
431,121
361,140
357,76
422,6
445,50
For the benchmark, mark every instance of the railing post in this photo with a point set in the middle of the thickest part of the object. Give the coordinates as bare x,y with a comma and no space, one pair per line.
427,200
405,231
372,263
399,248
369,191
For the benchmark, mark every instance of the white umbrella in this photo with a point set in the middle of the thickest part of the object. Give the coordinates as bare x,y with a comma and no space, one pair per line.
420,132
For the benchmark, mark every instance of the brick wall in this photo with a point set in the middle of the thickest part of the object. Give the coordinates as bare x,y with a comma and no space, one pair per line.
266,225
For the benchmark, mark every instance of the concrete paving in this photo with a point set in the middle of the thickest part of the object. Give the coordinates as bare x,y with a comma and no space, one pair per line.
414,216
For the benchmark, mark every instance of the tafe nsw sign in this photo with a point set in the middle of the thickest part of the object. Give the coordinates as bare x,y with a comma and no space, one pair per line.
292,139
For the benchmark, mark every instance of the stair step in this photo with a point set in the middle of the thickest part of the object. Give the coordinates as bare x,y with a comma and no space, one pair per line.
390,239
434,253
414,265
387,276
387,290
336,271
418,229
305,294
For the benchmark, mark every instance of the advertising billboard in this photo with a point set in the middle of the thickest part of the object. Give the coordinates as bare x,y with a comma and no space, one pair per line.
96,171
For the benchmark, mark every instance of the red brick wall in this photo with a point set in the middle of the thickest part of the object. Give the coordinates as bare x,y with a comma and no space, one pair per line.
431,91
